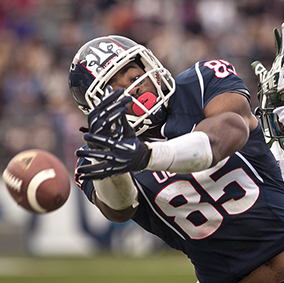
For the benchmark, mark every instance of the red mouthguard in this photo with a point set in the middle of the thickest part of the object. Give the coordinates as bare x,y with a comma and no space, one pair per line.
148,99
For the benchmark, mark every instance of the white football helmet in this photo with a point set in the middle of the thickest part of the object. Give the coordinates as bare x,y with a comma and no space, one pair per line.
100,59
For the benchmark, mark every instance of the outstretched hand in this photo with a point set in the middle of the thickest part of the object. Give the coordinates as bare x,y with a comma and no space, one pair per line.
112,141
271,84
102,119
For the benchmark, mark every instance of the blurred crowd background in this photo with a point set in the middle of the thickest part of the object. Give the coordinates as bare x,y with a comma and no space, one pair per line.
39,38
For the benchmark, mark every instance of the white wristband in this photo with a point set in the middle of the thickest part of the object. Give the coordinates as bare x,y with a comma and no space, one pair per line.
118,191
185,154
280,113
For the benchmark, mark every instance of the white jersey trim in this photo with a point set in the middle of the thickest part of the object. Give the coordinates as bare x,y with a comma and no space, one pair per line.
201,83
250,166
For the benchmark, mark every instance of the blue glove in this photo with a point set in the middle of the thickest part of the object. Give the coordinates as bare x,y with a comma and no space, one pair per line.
115,155
101,119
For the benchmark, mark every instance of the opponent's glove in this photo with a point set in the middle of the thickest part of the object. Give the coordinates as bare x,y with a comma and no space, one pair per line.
116,155
272,82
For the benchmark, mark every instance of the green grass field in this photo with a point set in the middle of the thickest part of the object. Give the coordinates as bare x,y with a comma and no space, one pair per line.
157,268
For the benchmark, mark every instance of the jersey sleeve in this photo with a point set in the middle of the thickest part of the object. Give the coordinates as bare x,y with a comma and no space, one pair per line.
219,76
85,185
195,87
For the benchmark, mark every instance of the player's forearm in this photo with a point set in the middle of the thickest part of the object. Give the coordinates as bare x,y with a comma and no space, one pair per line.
228,132
119,216
116,197
214,139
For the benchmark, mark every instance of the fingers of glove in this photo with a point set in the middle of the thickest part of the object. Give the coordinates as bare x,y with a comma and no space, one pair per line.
89,169
97,119
112,160
93,168
128,131
259,70
117,112
90,176
100,168
120,104
100,171
116,109
100,113
126,145
107,100
114,124
118,123
100,140
282,38
95,175
98,154
110,123
277,41
110,98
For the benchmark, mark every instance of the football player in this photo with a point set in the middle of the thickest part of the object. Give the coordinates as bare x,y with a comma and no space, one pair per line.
184,158
270,111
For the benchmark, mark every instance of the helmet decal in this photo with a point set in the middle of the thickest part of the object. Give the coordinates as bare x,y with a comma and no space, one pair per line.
100,56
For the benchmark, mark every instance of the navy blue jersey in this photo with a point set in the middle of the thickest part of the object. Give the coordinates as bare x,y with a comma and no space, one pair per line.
195,87
227,219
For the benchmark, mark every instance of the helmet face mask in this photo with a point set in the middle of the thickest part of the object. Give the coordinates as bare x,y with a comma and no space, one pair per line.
99,60
272,129
269,123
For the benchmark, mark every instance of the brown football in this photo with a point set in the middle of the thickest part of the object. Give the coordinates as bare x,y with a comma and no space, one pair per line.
37,180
